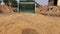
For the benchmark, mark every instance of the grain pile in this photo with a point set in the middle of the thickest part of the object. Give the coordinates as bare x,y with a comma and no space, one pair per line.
48,10
6,9
27,23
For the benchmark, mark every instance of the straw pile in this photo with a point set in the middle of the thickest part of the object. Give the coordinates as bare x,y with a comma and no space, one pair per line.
27,23
48,10
6,9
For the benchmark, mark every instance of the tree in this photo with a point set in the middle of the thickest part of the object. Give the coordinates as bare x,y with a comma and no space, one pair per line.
13,2
6,2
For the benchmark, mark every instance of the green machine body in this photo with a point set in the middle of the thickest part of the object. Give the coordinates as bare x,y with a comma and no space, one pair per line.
27,6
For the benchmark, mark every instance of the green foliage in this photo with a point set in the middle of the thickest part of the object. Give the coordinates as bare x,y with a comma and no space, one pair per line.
13,2
6,2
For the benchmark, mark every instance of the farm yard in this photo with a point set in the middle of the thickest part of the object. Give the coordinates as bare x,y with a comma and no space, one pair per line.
45,20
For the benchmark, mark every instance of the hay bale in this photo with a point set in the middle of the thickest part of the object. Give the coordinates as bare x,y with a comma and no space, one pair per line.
6,9
48,10
27,23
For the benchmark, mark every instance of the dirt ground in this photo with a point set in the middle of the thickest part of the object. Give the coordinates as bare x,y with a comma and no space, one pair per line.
28,23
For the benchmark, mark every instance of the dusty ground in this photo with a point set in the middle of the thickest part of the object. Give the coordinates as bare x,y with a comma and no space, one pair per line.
28,23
